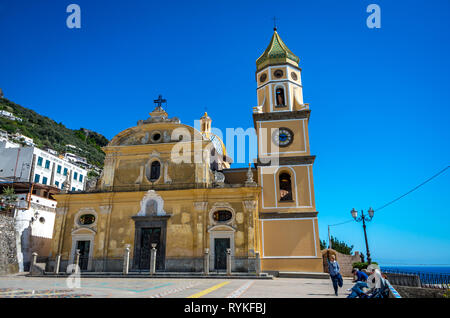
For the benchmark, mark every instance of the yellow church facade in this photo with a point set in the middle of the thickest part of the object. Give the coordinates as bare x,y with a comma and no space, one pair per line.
169,185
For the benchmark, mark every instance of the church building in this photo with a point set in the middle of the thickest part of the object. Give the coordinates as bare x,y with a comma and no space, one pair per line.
168,185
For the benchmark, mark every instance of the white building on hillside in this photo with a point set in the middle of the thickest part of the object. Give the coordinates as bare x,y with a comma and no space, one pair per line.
74,158
3,134
27,140
32,164
5,143
8,115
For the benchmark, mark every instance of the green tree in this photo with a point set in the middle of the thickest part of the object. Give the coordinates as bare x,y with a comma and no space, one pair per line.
339,246
8,199
362,265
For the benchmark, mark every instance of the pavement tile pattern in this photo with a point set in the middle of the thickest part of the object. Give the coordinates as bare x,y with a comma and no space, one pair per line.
17,286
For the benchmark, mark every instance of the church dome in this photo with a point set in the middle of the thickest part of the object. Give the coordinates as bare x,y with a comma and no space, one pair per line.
276,53
218,143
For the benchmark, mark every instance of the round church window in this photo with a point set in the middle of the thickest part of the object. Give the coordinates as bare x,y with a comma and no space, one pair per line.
222,216
263,77
87,219
278,73
294,76
156,137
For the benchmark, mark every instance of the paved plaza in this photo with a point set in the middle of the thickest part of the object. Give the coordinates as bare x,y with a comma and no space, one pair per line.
40,287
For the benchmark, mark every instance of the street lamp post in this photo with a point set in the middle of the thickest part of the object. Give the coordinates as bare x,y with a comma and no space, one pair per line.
364,219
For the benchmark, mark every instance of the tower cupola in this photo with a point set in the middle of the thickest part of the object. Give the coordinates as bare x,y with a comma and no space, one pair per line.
276,53
278,78
205,125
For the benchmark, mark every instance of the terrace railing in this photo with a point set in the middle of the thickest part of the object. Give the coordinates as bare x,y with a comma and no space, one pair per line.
418,279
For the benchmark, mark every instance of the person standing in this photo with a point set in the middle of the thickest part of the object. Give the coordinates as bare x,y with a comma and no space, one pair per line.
335,275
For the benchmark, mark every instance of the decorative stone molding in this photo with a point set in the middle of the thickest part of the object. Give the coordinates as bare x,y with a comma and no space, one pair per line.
282,161
200,206
300,114
91,184
105,209
257,109
219,179
166,136
221,231
82,237
155,154
222,227
152,204
80,230
250,182
77,225
249,206
167,178
60,211
222,206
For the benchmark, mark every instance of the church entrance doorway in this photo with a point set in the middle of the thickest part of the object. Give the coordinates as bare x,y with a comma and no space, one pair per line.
150,236
220,253
149,230
84,247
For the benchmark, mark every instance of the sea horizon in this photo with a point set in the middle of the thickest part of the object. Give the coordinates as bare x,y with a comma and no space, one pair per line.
419,268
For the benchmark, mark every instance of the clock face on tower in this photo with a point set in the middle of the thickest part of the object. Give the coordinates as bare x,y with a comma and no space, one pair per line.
283,137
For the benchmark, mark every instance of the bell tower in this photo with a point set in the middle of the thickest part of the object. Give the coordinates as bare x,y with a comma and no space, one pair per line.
278,78
289,236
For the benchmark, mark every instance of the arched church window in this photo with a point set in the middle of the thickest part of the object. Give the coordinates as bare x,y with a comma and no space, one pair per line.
155,170
279,95
285,187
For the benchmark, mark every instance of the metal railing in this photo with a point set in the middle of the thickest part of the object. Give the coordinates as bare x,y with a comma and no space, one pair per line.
418,279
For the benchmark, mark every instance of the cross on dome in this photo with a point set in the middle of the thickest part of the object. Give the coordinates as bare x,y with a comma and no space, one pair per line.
159,101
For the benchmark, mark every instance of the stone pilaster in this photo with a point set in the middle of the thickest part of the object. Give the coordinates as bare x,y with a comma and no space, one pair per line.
106,210
250,209
200,208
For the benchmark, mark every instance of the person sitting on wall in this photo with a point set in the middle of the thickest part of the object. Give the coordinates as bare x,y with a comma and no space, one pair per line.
357,290
359,276
377,282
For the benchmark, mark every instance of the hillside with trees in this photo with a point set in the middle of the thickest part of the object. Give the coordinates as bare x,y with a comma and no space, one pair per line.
48,133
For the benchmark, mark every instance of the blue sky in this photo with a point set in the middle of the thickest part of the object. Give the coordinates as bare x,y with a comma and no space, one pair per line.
379,97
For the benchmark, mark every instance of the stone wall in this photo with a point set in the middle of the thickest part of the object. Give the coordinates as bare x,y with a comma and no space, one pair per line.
418,292
345,261
398,279
8,252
